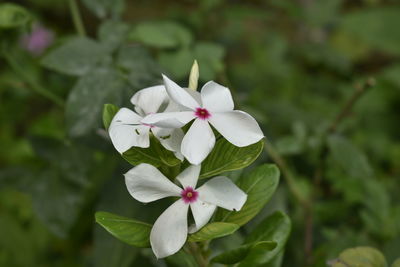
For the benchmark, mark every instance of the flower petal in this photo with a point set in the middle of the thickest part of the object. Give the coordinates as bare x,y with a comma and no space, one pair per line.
171,139
126,131
221,191
146,183
189,176
216,98
202,213
180,95
169,232
169,119
149,100
198,142
238,127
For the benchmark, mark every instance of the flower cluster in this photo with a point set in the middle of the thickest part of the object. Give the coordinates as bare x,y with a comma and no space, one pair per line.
162,111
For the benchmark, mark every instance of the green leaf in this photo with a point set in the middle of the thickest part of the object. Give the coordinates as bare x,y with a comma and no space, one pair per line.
177,63
236,255
227,157
130,231
109,111
275,227
396,263
213,230
374,27
360,256
104,8
162,34
259,186
85,101
155,155
349,157
75,57
112,33
13,16
209,56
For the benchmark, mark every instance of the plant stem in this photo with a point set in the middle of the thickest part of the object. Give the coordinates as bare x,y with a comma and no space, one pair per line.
197,253
76,17
31,82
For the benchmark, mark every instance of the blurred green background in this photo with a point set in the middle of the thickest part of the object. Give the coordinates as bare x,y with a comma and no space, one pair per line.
292,64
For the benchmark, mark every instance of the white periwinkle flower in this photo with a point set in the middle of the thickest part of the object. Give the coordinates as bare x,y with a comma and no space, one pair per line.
146,184
127,129
213,105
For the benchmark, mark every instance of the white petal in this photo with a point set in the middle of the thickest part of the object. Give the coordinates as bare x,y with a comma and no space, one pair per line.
169,119
198,142
238,127
171,139
146,183
150,99
180,95
189,176
221,191
216,98
202,213
126,131
169,232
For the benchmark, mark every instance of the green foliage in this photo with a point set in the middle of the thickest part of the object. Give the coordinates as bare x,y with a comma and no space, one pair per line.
259,186
75,57
109,111
132,232
105,8
155,155
227,157
161,34
212,231
263,243
13,16
360,256
84,105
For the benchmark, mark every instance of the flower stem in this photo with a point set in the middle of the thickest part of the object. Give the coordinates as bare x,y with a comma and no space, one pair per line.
76,18
31,82
197,253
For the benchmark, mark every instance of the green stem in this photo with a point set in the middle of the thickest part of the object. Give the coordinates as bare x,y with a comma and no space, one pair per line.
76,18
31,82
197,253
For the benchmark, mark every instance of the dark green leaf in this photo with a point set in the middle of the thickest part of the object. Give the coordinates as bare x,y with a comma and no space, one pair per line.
259,186
227,157
275,227
130,231
352,160
91,92
155,155
236,255
112,33
212,231
75,57
12,16
374,27
109,111
164,34
104,8
360,256
209,56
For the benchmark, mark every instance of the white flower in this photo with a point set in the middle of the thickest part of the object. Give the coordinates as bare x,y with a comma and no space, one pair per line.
127,130
146,184
213,105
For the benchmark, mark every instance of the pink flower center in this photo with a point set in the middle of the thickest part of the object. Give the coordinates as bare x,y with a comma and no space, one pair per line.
189,195
202,113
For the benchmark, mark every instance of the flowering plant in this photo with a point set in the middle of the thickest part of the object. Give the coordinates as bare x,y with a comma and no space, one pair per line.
179,136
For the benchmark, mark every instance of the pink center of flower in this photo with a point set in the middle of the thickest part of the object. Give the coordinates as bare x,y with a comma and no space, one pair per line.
202,113
189,195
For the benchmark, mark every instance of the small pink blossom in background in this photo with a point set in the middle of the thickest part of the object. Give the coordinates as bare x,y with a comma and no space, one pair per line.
38,40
